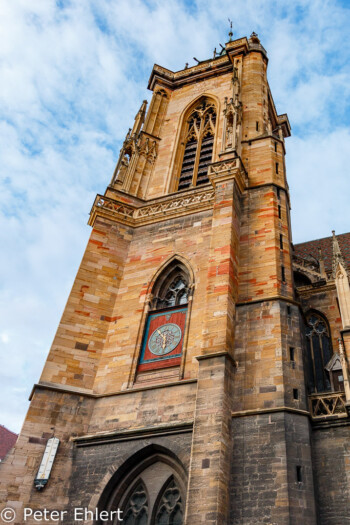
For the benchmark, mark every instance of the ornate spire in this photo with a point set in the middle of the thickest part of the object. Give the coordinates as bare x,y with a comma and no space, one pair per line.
345,368
341,278
337,255
230,34
321,262
139,119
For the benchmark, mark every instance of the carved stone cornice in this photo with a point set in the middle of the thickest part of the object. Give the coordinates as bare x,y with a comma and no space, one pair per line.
140,212
230,168
308,291
116,436
206,68
161,75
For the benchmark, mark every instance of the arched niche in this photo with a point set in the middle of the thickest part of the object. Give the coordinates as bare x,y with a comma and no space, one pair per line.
139,487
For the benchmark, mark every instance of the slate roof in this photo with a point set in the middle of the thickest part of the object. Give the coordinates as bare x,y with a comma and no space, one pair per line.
7,441
311,248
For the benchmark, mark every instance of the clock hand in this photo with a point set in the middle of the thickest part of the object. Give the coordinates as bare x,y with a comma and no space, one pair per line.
162,335
164,339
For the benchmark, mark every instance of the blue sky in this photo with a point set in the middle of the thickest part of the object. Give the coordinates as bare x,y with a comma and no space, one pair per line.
74,74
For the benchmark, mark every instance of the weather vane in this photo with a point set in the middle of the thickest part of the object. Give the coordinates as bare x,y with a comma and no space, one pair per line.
230,32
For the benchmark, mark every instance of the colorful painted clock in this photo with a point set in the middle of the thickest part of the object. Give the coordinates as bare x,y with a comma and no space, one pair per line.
163,339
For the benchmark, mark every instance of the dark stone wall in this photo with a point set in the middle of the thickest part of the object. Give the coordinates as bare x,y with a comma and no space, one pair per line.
331,463
298,446
264,489
94,465
255,466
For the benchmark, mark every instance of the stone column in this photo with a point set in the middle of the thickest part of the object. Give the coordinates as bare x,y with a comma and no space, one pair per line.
208,488
209,476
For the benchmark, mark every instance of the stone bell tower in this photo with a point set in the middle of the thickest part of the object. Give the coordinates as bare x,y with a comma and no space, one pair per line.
168,382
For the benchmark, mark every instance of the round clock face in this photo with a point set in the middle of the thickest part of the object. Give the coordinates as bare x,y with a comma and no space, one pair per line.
164,339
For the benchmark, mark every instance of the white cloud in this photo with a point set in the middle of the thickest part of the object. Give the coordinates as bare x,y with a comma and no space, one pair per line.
319,188
74,74
5,338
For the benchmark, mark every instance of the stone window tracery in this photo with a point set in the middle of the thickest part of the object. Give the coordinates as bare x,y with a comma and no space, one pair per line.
174,293
170,509
152,492
319,352
136,508
199,142
171,288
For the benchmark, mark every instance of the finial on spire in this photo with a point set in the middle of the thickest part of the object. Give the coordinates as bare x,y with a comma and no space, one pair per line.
230,34
140,118
321,263
336,248
254,38
337,255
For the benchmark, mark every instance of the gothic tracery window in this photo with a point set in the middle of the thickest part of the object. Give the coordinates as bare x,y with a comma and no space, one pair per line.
172,287
174,292
152,492
319,352
199,141
136,508
170,509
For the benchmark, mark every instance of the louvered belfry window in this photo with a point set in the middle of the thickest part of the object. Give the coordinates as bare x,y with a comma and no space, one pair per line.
199,142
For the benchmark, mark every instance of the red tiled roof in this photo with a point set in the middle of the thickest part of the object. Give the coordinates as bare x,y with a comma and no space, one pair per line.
311,248
7,441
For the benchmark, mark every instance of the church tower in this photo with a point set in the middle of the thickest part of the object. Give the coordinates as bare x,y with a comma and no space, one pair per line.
170,385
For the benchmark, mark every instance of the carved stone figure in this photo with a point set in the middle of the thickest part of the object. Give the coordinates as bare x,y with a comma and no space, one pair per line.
124,164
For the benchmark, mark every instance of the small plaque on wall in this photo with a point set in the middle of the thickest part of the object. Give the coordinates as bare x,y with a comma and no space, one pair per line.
163,339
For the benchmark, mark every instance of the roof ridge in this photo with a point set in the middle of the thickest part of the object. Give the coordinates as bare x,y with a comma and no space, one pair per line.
322,238
8,430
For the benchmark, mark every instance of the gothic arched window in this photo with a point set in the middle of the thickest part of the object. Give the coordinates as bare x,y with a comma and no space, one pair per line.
319,352
149,491
199,141
136,508
171,287
163,338
169,509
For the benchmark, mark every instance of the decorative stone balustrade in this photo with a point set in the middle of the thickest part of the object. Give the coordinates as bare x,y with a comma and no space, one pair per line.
327,404
170,206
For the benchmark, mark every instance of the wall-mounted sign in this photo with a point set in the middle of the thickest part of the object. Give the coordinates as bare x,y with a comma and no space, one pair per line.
48,458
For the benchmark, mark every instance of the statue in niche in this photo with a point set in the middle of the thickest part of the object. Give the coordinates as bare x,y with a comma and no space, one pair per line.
123,168
233,115
229,131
